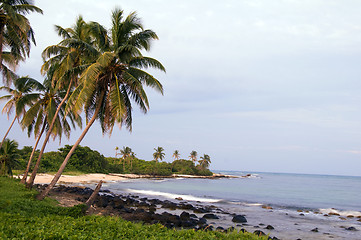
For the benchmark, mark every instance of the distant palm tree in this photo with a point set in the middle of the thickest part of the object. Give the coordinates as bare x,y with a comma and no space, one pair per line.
176,155
116,151
125,153
205,161
193,156
115,78
19,98
8,156
158,154
16,34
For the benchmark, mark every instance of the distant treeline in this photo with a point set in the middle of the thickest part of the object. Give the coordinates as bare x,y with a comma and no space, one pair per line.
87,160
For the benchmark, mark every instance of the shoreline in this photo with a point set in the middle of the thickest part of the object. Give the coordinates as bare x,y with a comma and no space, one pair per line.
45,178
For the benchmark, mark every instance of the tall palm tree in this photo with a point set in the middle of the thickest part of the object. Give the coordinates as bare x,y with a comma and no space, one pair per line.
40,115
176,155
108,85
205,161
8,157
158,154
19,98
193,156
16,34
64,63
125,153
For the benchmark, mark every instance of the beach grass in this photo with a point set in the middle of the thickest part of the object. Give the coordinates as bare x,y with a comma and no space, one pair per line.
23,217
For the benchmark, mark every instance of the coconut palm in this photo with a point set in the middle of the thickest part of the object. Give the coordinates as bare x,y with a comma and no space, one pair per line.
193,156
176,155
63,64
158,154
40,115
19,98
108,85
16,34
205,161
8,157
125,153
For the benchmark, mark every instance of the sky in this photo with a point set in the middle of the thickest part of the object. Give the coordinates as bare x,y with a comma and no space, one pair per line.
268,86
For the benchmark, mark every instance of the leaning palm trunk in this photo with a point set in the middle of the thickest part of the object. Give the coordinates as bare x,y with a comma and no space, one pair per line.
30,183
6,134
23,180
45,192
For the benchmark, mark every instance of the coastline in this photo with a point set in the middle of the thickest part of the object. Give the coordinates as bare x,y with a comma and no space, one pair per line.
44,178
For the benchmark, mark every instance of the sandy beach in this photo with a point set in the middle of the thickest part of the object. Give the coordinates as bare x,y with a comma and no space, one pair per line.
44,178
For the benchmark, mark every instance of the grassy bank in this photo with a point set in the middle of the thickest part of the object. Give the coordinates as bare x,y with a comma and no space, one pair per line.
23,217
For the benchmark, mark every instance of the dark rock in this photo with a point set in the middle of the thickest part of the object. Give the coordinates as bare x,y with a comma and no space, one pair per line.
351,229
314,230
200,210
230,229
239,219
269,227
193,216
220,229
184,216
202,221
243,230
210,216
186,206
259,233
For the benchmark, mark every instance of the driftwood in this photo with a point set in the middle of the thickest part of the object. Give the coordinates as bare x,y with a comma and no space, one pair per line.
92,198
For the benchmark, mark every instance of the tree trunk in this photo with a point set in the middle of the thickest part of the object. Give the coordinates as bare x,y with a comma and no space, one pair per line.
30,183
6,134
23,180
45,192
92,198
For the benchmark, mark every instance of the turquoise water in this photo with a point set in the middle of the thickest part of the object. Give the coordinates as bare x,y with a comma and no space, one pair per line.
298,191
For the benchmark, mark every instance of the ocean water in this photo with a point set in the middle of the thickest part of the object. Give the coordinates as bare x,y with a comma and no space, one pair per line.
278,190
299,202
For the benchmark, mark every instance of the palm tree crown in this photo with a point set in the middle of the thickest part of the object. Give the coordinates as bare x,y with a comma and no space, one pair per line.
158,154
205,161
16,34
19,98
193,156
176,155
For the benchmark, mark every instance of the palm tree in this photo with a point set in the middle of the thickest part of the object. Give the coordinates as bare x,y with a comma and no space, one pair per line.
108,85
40,115
205,161
125,153
19,97
193,156
64,63
16,34
116,151
8,156
158,154
176,155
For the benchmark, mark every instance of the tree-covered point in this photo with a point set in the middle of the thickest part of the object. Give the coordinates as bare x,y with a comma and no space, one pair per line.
87,160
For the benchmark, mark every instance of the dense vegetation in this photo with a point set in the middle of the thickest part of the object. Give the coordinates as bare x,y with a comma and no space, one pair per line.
87,160
23,217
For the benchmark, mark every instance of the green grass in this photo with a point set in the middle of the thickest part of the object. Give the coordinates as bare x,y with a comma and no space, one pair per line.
23,217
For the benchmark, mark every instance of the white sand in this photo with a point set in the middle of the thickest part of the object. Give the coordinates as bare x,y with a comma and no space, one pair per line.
86,178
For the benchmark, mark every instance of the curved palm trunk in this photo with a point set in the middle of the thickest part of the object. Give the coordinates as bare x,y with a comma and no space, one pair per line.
23,180
6,134
30,183
45,192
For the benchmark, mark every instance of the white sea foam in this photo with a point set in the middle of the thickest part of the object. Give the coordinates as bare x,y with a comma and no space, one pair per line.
173,196
342,213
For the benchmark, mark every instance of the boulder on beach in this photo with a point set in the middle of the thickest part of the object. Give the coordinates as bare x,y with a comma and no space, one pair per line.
210,216
239,219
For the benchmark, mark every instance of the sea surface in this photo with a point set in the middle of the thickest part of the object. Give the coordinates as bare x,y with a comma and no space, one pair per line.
298,202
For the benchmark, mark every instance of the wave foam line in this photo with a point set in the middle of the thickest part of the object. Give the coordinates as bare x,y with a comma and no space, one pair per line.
173,196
